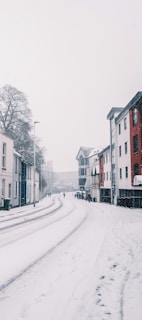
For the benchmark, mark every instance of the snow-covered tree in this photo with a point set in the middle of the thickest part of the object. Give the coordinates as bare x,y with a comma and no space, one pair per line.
15,116
16,122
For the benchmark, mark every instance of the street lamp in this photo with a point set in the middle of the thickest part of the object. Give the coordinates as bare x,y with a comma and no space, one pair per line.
35,122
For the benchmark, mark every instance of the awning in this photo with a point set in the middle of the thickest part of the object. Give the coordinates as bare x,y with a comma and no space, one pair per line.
137,180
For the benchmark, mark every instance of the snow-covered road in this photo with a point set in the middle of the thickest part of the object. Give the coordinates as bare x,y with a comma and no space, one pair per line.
91,266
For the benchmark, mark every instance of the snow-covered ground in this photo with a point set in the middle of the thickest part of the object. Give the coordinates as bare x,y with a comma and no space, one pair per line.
82,263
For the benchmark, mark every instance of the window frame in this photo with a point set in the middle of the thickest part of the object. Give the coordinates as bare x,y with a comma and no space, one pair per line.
120,173
4,146
125,123
126,172
135,144
119,128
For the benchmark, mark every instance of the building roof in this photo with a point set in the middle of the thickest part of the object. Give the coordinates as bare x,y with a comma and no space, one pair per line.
104,150
136,100
85,150
114,110
95,151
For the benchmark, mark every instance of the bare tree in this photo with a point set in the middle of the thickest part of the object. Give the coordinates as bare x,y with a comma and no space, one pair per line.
14,111
16,122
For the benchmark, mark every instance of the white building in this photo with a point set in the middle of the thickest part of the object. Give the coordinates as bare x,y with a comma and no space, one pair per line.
83,163
126,153
92,178
105,175
6,168
123,154
114,112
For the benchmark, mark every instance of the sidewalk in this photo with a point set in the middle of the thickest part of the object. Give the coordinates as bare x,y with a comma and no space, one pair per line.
29,207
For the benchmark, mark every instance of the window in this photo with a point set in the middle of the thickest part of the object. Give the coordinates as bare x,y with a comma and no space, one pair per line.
3,188
136,169
9,191
83,171
135,143
4,155
83,161
119,151
16,164
120,173
135,117
126,172
119,128
126,147
125,123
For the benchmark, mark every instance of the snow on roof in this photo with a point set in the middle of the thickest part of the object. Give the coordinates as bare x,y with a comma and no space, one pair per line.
95,151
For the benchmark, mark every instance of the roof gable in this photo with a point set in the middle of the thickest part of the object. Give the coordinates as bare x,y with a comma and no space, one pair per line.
84,151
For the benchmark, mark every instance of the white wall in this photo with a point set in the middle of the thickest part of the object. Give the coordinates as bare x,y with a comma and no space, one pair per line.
7,172
107,170
124,160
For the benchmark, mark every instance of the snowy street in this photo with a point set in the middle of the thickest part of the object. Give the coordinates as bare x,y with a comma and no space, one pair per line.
72,259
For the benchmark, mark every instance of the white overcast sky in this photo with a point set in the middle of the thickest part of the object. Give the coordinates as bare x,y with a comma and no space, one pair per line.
75,60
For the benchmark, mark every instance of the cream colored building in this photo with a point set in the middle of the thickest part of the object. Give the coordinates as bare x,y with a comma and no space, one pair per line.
6,168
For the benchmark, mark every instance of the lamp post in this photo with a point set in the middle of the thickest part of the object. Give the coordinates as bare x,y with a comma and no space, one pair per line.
35,122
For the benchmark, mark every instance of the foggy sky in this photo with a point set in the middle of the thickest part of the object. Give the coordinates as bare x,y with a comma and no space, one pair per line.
74,60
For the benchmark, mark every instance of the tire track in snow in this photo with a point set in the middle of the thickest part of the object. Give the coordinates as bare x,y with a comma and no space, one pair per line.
18,275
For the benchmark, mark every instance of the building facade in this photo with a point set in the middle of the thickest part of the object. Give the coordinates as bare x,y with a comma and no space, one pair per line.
126,153
120,163
6,168
16,180
92,187
83,164
105,175
16,176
